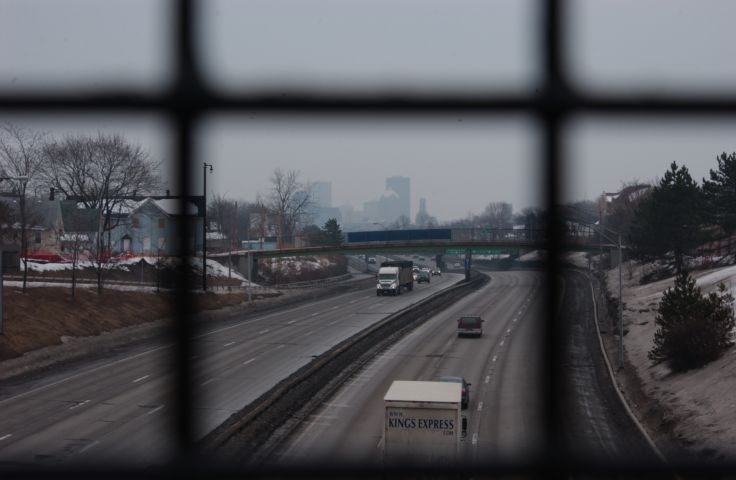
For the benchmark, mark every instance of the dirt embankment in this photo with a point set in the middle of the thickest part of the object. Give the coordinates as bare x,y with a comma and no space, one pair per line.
45,316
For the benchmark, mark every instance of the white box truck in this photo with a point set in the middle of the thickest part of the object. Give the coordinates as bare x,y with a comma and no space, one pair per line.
394,275
422,423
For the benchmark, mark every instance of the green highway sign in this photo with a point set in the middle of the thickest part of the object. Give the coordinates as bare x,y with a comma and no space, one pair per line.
477,251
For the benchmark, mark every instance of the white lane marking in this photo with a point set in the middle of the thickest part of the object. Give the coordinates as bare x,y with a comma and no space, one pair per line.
352,302
5,436
280,347
96,442
155,410
142,378
314,314
475,439
309,333
249,361
488,378
206,382
480,406
228,344
515,319
290,322
502,342
264,331
332,323
495,357
508,331
331,405
336,307
79,404
43,387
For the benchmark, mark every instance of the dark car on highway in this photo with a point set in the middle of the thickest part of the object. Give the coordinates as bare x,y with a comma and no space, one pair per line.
465,393
470,325
422,276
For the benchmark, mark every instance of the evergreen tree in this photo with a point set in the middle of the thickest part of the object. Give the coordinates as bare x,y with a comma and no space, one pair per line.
720,193
693,329
331,232
669,220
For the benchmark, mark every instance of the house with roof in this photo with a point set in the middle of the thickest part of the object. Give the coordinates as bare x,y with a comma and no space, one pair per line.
152,227
43,223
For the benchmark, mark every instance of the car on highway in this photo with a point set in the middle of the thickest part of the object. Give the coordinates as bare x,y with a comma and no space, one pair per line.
465,392
470,326
372,260
457,265
437,272
423,276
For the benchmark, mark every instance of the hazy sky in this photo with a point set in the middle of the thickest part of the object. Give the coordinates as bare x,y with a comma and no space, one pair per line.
418,46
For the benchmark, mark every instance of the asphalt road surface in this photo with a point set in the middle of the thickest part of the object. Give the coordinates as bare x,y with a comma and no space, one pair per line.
598,430
118,410
503,366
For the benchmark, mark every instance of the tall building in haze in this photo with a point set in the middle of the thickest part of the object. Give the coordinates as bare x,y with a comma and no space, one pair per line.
401,186
322,194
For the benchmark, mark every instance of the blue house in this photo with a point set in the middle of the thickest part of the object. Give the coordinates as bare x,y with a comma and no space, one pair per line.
151,227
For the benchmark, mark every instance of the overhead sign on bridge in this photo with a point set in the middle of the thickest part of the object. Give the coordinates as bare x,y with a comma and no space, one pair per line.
477,251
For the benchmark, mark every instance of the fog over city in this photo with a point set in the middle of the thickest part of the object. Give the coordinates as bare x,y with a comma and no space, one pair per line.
458,164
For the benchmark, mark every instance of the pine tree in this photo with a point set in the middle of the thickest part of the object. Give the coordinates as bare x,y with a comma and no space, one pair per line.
668,222
720,193
693,329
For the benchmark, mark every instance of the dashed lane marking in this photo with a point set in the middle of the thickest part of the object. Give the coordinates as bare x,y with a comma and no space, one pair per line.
488,378
290,322
508,331
206,382
309,333
79,404
96,442
142,378
314,314
480,406
280,347
228,344
475,439
5,436
249,361
495,357
264,331
155,410
502,342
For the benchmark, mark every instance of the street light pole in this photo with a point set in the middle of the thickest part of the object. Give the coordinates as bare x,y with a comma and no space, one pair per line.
21,178
204,225
620,307
620,291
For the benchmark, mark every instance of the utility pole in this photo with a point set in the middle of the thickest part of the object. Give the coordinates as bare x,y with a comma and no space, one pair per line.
204,225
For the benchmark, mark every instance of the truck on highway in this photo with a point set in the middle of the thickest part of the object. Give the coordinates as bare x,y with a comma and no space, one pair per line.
394,275
422,423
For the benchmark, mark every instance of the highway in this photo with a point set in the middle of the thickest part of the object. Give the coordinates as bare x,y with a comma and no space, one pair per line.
503,366
117,410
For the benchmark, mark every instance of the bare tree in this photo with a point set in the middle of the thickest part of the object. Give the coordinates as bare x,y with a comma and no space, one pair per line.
21,156
75,241
290,201
103,173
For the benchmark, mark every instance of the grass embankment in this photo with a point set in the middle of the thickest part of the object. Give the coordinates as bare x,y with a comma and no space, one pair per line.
42,316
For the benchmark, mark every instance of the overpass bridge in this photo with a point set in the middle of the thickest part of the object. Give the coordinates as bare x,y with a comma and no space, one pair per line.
461,242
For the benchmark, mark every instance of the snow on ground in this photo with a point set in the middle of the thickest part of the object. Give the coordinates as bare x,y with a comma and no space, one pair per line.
702,400
533,256
579,259
214,268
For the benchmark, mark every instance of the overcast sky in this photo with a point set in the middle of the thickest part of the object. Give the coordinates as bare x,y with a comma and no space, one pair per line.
419,46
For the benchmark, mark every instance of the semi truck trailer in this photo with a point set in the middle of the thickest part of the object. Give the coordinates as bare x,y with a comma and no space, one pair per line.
422,423
394,275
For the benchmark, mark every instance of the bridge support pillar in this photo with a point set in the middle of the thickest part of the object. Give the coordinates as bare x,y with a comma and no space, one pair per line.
614,255
468,263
